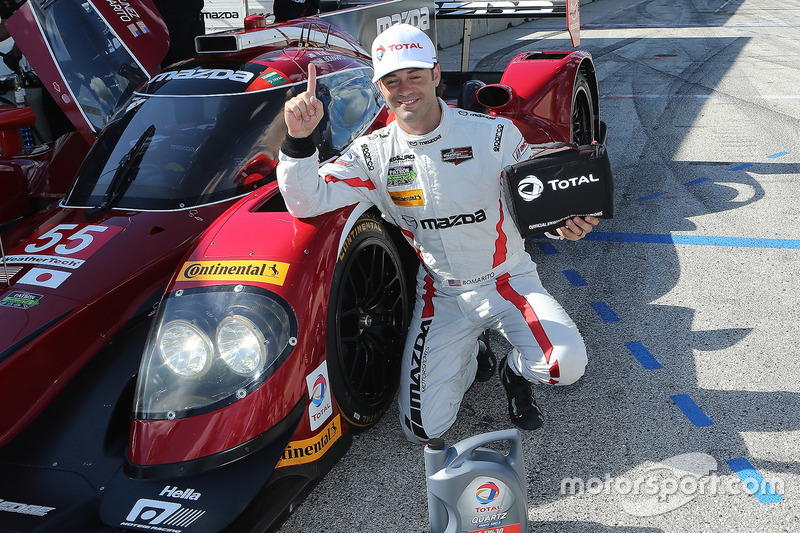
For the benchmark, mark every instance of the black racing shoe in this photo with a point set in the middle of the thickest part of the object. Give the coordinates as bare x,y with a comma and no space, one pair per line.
522,408
487,362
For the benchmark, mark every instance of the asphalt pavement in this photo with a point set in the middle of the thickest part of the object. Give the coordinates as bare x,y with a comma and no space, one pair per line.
688,417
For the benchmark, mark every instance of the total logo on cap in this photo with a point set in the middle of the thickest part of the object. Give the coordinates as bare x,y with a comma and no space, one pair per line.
401,46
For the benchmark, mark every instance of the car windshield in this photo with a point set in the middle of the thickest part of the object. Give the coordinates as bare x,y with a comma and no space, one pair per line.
98,68
182,151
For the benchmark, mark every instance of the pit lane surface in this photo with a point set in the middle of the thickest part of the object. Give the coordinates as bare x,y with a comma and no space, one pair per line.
688,299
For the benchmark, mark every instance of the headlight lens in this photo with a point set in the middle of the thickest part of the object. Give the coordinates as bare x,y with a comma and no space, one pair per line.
241,345
185,349
210,347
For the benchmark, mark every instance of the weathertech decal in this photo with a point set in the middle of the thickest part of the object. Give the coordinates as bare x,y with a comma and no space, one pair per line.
299,452
408,198
260,271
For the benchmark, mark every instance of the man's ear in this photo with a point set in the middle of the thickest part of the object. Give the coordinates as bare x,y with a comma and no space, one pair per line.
437,74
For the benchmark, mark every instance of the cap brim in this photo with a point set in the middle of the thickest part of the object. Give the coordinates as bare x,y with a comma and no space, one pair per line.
400,66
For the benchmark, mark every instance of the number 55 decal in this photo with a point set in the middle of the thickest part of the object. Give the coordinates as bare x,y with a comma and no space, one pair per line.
66,245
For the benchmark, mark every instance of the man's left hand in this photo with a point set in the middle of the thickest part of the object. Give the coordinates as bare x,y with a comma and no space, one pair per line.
577,227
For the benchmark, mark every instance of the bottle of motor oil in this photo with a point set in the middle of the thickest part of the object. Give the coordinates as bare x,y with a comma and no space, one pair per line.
476,489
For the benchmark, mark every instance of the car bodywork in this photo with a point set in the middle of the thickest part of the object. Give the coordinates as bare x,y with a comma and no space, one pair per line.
178,353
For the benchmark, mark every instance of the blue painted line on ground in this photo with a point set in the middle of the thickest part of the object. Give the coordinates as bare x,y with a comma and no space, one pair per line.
697,240
741,167
692,411
695,182
574,278
779,154
753,481
649,197
548,248
643,355
605,312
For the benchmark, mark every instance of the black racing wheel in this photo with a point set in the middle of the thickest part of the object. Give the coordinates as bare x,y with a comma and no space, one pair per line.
368,315
582,112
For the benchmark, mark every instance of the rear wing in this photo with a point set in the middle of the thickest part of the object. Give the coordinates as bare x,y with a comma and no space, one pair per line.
468,10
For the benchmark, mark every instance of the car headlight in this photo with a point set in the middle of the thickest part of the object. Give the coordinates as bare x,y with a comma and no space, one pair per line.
210,347
185,349
241,345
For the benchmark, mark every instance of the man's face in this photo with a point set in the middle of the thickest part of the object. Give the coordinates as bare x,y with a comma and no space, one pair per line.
411,95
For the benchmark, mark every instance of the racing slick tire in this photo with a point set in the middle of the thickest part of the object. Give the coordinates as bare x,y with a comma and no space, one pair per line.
368,313
583,120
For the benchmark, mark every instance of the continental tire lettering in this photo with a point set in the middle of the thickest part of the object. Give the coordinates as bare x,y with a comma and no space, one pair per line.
357,230
453,220
310,450
417,381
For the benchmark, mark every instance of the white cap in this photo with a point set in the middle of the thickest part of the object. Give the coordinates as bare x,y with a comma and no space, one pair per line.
401,46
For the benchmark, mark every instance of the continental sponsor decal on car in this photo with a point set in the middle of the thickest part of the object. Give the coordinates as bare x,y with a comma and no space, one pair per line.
412,197
260,271
21,300
306,451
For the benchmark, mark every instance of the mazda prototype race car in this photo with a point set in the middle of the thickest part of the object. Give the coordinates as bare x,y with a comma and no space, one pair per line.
177,352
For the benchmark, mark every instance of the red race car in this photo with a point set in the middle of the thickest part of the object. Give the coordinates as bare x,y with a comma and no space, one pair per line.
178,353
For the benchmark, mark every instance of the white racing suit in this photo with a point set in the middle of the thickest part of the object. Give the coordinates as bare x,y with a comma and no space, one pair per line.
443,191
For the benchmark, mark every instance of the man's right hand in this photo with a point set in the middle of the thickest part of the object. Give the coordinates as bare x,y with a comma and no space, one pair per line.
303,112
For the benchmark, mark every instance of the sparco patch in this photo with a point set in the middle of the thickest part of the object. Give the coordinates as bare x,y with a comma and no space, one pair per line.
457,155
367,157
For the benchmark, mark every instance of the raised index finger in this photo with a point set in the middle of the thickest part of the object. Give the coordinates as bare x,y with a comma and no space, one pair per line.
312,78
